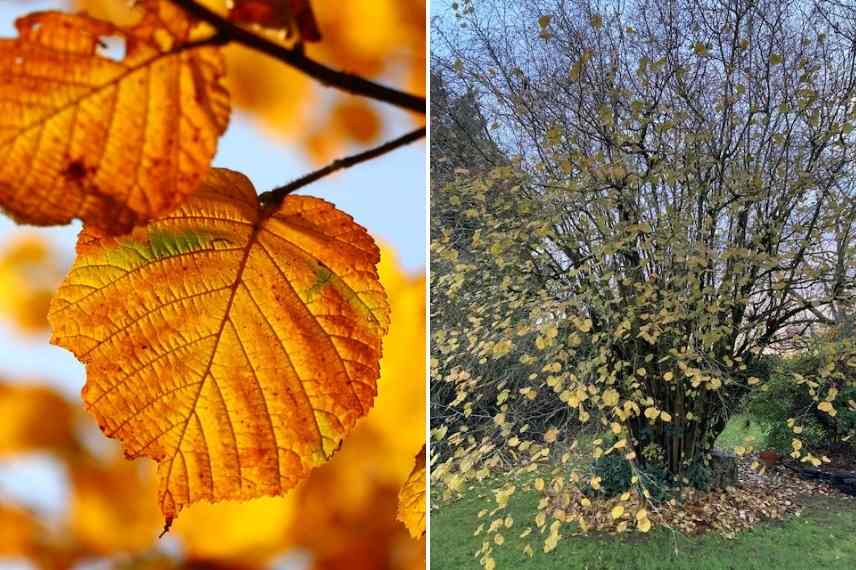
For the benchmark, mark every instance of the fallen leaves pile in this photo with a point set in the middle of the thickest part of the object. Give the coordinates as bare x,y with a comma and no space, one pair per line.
756,498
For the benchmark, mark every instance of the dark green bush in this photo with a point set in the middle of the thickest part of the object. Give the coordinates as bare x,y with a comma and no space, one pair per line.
699,475
616,475
784,399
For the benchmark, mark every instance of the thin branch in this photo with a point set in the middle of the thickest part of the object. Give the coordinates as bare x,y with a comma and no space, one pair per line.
273,198
348,82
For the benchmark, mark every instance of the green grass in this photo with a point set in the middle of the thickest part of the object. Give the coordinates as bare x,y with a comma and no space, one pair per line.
823,537
740,427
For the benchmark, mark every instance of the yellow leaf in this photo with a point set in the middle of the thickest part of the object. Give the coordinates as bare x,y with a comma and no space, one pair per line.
643,524
29,273
551,541
551,435
223,334
583,325
652,413
617,511
665,416
411,500
827,407
544,21
110,509
610,397
114,143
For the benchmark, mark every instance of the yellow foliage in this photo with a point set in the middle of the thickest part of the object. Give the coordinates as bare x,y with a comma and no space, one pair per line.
29,272
34,418
411,509
111,506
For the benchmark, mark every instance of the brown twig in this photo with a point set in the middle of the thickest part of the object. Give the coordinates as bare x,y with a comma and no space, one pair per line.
273,198
348,82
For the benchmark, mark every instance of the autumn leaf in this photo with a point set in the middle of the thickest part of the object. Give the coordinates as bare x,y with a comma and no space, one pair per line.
234,344
24,429
347,510
288,15
19,532
358,489
114,143
411,500
109,507
29,273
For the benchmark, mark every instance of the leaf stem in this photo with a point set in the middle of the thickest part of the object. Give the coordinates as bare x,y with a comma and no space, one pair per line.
273,198
341,80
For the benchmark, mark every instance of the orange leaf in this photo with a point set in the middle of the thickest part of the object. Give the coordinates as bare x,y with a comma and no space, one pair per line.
29,273
114,143
108,508
411,500
24,428
234,345
19,532
278,14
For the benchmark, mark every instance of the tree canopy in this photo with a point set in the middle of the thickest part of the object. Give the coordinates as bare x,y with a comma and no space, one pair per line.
677,207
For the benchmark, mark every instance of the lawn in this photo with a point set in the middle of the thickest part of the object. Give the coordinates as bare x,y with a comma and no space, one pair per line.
823,536
738,429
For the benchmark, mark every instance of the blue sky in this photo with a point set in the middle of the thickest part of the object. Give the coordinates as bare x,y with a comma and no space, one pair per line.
386,195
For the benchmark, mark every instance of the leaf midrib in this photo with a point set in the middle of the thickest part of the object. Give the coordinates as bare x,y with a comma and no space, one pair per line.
217,337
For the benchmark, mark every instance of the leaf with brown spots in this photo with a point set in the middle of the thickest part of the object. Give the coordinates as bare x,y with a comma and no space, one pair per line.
112,142
235,345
